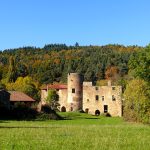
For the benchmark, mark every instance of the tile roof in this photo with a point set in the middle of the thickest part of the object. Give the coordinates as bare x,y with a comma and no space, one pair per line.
55,86
16,96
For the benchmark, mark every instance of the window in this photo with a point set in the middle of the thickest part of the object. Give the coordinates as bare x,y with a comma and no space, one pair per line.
96,88
113,98
63,109
71,108
105,108
73,90
102,98
87,100
97,112
113,88
86,110
97,97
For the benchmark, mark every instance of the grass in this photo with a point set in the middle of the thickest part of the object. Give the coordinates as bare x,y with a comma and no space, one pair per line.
79,132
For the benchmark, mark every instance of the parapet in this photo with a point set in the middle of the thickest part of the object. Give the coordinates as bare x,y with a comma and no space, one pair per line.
87,83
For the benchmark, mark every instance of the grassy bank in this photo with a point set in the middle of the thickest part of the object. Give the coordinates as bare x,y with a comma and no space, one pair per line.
77,132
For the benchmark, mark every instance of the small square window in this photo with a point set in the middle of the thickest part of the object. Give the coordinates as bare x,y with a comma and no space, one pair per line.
73,90
113,88
87,110
88,100
97,97
113,98
102,98
96,88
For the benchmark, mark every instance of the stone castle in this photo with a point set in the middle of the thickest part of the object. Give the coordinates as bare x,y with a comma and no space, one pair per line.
79,95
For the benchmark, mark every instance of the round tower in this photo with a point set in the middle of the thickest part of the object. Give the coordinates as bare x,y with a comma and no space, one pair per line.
75,82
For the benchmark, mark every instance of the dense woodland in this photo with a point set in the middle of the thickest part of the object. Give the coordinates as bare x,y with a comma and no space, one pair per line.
27,69
53,62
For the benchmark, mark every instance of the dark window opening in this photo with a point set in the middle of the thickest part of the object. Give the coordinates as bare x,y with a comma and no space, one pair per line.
97,112
113,88
73,90
86,110
96,88
97,97
105,108
113,98
88,100
102,98
63,109
71,109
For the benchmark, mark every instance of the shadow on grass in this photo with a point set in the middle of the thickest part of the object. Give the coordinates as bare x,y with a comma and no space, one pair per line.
92,118
17,127
3,121
76,118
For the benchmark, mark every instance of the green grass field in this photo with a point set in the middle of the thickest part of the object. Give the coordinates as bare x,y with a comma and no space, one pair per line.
79,132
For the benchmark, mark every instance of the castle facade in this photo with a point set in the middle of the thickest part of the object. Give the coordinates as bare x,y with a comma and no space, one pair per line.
79,95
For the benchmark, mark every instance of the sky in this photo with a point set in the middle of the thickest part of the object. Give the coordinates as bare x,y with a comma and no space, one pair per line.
88,22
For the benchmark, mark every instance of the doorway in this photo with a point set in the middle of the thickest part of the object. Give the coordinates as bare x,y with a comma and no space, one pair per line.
105,108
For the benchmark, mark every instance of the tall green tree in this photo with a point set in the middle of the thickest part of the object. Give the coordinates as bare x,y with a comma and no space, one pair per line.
137,101
12,74
139,64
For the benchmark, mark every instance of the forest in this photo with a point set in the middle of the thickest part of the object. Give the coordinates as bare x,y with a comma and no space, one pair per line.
26,69
52,62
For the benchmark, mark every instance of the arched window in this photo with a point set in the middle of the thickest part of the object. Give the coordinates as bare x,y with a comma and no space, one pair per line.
71,108
63,109
86,110
97,112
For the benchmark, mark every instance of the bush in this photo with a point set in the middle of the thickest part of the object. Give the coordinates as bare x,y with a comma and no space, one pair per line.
48,113
106,114
18,112
22,112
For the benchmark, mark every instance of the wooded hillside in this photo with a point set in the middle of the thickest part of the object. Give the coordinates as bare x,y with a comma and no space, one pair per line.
52,62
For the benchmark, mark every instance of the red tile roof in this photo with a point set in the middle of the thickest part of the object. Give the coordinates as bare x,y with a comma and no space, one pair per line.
55,86
16,96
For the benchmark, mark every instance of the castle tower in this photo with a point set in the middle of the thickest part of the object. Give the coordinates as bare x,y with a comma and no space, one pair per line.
75,82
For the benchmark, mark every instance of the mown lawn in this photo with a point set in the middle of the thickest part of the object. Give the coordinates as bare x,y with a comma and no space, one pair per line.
79,132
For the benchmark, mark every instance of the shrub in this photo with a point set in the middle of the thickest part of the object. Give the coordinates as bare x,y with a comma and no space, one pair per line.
48,113
106,114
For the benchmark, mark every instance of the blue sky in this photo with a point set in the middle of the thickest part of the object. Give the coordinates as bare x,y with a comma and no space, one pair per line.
96,22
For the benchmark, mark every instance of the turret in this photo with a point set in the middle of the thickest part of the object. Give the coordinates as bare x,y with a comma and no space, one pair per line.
75,92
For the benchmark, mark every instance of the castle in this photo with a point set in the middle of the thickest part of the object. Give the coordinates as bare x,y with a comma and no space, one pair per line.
79,95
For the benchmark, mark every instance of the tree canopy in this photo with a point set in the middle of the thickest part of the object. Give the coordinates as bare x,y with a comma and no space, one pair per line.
53,62
139,64
137,101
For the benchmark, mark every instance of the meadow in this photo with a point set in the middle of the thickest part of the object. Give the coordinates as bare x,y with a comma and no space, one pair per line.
78,132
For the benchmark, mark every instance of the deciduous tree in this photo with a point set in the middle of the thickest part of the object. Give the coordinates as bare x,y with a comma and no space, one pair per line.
137,101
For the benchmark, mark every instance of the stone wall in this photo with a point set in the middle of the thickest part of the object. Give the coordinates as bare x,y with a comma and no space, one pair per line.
75,83
63,99
83,95
44,94
95,97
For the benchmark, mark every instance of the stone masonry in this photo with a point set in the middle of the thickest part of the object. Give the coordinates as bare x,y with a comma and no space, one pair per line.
79,95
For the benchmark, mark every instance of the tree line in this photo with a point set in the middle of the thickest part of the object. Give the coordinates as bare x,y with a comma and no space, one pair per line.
54,61
27,68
